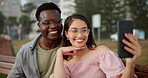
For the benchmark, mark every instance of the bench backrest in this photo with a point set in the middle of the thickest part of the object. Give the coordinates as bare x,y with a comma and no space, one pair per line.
6,63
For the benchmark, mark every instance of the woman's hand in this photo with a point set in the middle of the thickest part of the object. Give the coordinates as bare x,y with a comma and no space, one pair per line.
69,50
133,47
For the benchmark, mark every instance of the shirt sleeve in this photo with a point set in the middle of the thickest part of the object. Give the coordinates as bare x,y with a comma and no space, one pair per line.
66,70
111,65
16,71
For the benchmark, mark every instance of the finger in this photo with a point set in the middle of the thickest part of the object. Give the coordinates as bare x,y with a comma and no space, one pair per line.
69,53
131,39
136,53
129,50
130,45
133,51
136,42
69,49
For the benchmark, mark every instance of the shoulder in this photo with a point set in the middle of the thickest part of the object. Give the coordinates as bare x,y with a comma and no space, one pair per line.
26,48
101,49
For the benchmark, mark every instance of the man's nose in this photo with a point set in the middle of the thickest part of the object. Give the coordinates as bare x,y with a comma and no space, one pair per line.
52,25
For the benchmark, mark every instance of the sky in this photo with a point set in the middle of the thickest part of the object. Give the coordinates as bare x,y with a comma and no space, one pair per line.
23,2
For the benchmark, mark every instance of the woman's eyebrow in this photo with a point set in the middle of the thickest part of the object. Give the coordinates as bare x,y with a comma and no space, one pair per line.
77,28
84,27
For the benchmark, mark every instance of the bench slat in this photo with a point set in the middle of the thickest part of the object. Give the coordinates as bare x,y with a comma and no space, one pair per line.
6,65
10,59
141,75
4,71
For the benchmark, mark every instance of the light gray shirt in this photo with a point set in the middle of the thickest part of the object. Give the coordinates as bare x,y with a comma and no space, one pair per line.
26,65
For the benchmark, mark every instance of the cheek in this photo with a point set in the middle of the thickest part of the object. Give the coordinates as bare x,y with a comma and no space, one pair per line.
71,38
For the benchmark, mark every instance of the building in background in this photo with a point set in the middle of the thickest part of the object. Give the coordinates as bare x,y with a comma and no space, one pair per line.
10,7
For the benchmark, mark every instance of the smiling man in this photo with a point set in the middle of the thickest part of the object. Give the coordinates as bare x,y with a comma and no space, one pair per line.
36,59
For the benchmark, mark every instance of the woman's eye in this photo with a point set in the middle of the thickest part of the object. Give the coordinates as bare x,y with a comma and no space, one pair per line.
84,30
73,30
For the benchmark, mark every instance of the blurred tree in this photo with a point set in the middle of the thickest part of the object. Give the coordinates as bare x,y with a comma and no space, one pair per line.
139,10
25,23
25,20
10,22
111,11
28,8
2,23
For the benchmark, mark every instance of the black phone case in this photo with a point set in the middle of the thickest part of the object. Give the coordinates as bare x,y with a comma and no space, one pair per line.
122,28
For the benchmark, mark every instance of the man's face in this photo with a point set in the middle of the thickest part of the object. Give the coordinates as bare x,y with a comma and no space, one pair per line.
50,24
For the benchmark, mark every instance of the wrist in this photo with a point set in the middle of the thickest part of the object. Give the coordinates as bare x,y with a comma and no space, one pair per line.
130,65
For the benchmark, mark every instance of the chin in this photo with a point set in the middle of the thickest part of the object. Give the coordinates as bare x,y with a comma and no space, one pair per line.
78,46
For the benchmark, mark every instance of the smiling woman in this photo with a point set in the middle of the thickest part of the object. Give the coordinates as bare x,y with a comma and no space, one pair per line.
81,52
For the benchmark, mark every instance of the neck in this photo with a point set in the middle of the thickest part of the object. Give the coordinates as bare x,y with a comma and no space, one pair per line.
49,44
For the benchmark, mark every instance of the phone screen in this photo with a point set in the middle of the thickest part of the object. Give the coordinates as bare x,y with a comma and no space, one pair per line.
122,28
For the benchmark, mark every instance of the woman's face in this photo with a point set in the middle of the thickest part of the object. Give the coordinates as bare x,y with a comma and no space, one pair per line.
78,33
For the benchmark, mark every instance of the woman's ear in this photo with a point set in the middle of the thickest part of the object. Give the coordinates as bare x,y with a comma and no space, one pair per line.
66,33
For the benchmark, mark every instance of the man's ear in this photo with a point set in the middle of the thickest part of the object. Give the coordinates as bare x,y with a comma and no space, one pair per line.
39,25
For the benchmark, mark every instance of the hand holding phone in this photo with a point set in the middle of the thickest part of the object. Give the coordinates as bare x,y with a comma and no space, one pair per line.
122,28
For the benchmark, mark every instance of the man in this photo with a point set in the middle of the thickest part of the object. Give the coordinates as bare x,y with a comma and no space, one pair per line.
36,59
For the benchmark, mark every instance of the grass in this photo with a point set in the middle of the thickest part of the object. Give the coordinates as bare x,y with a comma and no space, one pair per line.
112,45
17,44
143,60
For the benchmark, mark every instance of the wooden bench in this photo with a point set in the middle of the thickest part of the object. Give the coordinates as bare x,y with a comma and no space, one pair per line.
140,70
6,63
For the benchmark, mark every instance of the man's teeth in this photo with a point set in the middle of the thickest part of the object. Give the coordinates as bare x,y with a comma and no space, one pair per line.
79,40
53,32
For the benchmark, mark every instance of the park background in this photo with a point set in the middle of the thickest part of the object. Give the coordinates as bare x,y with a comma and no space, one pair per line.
18,23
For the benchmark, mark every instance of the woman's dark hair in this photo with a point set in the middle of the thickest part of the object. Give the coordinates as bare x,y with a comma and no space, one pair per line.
90,42
46,6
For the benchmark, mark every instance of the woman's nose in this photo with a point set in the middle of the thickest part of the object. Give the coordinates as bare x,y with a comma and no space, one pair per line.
79,34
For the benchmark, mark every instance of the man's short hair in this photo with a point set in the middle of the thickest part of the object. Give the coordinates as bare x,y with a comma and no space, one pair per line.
46,6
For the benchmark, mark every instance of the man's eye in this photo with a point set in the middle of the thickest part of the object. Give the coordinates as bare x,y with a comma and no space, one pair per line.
57,21
46,23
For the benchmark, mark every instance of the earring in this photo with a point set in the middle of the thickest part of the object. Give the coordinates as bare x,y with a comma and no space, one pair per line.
67,38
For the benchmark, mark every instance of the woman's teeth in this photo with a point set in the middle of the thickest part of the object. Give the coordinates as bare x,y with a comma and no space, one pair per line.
79,40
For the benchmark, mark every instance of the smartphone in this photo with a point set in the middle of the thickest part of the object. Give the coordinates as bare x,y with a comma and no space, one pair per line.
123,27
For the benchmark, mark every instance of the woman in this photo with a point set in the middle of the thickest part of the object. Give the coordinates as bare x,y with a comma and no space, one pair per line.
83,59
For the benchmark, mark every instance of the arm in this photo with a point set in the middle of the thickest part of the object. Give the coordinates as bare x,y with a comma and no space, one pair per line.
16,71
59,71
134,48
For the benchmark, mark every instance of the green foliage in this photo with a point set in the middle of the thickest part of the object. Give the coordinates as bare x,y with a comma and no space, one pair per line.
2,18
3,76
139,10
113,10
11,21
26,23
25,19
